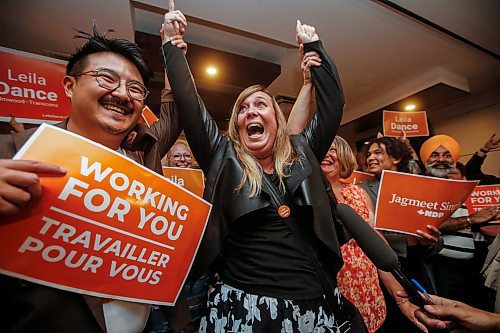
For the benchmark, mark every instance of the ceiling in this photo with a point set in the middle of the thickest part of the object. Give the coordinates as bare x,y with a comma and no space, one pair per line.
386,51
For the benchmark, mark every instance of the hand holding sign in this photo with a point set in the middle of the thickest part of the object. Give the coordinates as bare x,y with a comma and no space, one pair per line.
109,226
405,204
491,221
485,215
16,126
20,183
482,204
403,138
412,123
429,238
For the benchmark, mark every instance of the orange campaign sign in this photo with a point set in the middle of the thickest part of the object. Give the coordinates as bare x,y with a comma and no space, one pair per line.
192,180
482,197
357,177
407,203
485,196
147,116
412,123
31,88
109,228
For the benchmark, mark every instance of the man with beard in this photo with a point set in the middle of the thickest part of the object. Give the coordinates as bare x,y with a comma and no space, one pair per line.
456,267
105,82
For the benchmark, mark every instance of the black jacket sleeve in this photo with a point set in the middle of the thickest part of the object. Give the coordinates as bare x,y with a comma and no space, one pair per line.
473,171
201,130
323,126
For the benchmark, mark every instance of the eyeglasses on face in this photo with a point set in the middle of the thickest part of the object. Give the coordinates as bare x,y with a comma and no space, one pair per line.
110,80
178,156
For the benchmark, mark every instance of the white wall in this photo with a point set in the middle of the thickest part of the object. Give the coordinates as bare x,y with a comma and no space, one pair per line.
472,130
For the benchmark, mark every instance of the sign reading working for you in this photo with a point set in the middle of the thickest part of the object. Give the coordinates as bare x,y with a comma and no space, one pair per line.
482,197
407,203
31,88
108,228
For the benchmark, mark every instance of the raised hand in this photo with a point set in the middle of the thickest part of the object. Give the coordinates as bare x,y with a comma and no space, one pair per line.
20,183
17,126
178,41
305,33
492,143
174,23
407,142
308,60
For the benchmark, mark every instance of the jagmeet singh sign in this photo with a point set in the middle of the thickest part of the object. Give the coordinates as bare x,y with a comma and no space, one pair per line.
407,203
31,88
109,228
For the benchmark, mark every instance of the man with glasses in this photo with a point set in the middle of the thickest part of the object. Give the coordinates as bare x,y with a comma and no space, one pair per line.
106,83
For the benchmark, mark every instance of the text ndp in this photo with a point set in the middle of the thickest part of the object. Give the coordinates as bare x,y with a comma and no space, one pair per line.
11,87
98,200
433,209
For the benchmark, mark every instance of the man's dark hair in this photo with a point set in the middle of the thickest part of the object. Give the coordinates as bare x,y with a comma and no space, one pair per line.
97,42
395,149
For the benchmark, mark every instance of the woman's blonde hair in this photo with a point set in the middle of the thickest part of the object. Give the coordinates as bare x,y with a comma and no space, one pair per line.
178,142
283,151
345,156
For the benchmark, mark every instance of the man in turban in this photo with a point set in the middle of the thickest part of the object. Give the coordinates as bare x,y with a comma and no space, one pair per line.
440,154
456,267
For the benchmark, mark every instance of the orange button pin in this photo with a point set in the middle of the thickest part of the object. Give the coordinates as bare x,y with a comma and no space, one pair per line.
284,211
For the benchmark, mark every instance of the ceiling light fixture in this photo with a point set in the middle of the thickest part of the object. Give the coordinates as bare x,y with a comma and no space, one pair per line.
410,107
211,70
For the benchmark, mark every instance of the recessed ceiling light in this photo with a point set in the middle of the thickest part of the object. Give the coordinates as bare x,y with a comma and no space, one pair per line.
211,70
410,107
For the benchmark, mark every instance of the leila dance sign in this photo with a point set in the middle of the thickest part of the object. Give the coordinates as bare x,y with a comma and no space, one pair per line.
31,88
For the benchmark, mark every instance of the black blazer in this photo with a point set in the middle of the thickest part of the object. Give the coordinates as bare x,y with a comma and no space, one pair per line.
216,156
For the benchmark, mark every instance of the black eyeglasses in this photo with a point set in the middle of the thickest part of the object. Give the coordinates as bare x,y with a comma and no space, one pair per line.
108,79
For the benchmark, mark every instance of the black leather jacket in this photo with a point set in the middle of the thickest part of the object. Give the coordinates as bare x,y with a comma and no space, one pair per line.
216,156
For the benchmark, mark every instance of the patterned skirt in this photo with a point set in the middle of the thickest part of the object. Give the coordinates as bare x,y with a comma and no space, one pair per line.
233,310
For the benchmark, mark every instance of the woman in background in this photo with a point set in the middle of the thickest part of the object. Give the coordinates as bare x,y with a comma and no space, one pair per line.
358,279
